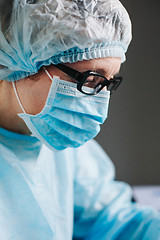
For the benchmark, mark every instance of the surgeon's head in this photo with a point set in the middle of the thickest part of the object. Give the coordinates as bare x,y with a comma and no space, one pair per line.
41,37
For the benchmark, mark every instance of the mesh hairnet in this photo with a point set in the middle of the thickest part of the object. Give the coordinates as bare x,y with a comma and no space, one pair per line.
34,33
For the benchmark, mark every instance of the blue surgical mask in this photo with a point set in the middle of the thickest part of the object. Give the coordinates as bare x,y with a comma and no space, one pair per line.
69,117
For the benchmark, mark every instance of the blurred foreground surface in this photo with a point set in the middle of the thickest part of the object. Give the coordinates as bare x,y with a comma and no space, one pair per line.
147,195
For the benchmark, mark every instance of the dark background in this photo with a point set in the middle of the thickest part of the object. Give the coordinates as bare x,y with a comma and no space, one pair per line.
131,134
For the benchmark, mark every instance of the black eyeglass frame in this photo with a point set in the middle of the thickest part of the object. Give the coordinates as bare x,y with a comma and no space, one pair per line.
81,77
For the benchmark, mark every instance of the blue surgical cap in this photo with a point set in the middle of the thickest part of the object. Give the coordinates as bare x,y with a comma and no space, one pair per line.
35,33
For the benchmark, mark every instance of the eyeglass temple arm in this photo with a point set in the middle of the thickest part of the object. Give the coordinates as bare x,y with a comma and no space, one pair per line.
70,71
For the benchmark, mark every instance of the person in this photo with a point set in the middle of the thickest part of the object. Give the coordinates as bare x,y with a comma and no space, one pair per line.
58,61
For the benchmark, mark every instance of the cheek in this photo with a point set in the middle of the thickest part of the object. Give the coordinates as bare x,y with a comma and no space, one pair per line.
33,94
40,95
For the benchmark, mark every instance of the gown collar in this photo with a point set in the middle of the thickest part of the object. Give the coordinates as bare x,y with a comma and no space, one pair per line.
19,144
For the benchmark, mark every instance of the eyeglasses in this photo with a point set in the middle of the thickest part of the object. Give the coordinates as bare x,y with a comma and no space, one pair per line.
90,82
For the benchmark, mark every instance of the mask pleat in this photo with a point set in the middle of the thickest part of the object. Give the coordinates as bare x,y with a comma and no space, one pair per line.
77,120
68,130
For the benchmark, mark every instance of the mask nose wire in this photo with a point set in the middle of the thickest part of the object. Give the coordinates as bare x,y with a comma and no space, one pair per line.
15,90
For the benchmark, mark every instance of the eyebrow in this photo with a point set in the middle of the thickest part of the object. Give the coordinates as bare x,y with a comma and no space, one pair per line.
104,72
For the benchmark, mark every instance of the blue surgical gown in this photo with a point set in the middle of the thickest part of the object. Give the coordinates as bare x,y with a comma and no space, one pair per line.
64,195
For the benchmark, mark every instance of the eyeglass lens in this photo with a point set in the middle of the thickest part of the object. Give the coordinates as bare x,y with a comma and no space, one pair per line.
92,84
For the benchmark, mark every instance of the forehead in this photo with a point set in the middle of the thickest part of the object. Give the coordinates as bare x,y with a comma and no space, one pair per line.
108,64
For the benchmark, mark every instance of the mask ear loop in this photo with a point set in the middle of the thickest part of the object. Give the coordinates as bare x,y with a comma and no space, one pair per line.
46,71
15,90
14,87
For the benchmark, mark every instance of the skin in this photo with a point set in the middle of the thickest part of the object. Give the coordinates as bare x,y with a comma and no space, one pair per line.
33,91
